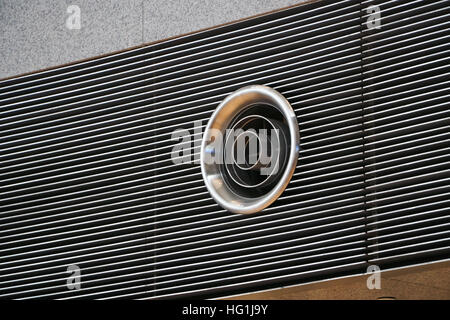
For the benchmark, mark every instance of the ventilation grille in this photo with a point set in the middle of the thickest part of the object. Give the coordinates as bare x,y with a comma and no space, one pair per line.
88,179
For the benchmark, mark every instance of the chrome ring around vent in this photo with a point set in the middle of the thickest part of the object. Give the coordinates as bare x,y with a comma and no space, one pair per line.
247,188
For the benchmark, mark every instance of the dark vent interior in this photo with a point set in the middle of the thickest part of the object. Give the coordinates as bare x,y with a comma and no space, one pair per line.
87,177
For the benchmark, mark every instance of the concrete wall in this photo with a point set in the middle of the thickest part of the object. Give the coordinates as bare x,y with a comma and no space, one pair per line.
34,33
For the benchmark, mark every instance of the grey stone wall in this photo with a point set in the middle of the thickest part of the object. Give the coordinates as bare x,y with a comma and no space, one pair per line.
34,34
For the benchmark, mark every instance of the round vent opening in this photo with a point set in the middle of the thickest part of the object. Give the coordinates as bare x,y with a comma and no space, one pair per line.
250,149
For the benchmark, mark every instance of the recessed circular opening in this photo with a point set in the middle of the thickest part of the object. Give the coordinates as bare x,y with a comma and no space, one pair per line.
253,135
247,151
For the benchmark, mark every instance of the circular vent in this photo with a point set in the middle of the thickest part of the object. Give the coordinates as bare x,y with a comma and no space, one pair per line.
250,149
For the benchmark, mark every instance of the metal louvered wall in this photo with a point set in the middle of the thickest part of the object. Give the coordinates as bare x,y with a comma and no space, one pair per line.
87,177
406,121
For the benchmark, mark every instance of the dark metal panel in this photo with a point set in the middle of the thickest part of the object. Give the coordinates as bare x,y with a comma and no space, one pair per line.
87,175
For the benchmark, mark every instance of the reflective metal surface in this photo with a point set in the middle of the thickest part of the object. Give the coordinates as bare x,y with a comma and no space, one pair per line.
215,177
